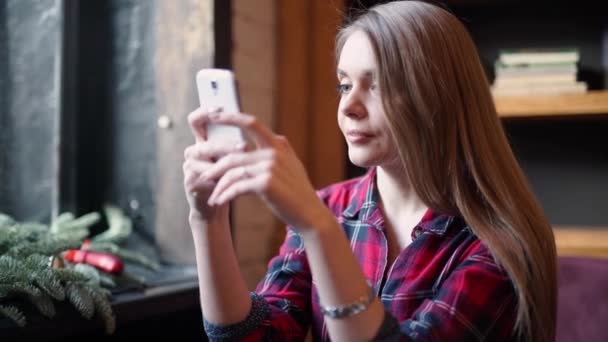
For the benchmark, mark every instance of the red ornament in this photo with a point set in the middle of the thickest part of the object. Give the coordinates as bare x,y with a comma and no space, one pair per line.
104,261
85,244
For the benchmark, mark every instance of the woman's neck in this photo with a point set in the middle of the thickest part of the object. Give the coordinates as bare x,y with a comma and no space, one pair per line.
399,200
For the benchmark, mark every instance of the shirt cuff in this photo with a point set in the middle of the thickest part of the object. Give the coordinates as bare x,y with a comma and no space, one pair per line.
258,313
389,330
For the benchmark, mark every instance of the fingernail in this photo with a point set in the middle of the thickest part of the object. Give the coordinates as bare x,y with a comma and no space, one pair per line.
240,146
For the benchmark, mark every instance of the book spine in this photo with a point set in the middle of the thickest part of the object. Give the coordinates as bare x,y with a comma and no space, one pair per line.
540,69
535,79
532,57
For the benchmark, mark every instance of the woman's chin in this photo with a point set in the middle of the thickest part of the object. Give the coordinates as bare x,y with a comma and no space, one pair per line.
362,160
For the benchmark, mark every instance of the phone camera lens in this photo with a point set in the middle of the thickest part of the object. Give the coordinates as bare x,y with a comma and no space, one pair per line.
214,85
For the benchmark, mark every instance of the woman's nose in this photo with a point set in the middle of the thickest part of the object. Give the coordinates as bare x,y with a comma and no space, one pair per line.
352,105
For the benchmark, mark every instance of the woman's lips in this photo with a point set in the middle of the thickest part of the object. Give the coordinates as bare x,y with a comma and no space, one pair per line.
358,137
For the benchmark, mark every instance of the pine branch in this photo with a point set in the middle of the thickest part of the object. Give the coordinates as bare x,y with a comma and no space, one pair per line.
10,236
26,253
10,270
81,299
67,224
47,280
18,288
6,221
34,228
103,308
46,245
67,275
44,304
79,234
44,276
14,314
119,226
59,221
90,272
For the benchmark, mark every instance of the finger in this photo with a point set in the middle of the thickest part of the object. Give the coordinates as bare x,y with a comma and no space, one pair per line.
192,176
237,174
282,141
249,185
197,166
198,120
237,159
260,134
208,150
189,178
198,183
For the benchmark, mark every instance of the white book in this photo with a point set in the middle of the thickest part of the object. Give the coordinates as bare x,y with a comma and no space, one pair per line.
535,69
536,56
546,89
535,79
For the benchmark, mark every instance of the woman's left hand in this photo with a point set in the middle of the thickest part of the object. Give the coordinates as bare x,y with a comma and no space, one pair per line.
273,171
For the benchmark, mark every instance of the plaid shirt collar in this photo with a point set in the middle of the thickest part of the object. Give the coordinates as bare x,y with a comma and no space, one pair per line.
365,205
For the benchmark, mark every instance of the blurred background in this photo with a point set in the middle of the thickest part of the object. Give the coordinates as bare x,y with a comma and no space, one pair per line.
94,97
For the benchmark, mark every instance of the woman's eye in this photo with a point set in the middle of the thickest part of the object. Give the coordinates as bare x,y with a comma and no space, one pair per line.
343,88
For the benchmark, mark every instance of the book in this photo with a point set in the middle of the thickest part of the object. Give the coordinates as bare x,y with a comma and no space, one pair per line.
501,69
538,56
540,89
565,78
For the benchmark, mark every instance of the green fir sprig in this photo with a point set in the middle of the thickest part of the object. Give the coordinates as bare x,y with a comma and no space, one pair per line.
27,252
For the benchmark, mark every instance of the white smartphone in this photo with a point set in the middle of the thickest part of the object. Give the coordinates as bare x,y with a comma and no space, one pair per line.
217,88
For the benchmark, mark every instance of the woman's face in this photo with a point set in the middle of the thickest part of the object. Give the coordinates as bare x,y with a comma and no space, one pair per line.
360,113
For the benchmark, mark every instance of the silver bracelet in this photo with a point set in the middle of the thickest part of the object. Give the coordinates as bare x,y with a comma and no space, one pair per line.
351,309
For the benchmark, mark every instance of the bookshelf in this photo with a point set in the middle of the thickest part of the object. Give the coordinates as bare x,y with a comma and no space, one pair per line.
581,241
558,139
594,102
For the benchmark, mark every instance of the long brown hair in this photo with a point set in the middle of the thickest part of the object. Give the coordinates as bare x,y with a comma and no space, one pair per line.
442,116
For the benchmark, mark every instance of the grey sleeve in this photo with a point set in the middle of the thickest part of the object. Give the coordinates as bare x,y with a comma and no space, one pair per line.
260,311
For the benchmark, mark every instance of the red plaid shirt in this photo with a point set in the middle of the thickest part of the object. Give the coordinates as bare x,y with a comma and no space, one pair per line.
444,286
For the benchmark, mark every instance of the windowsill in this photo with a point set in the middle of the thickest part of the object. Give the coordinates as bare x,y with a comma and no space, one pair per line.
174,290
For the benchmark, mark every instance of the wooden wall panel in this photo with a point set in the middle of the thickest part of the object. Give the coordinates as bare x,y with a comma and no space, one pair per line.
283,57
293,75
307,101
184,45
327,153
253,60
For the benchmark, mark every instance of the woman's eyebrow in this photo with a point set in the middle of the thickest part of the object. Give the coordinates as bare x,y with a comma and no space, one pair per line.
368,73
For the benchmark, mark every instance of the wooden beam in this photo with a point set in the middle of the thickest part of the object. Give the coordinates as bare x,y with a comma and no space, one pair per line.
307,101
293,75
327,145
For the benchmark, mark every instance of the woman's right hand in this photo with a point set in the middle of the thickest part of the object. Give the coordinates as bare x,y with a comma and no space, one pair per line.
198,158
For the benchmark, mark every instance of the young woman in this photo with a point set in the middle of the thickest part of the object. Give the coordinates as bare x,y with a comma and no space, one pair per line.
442,239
